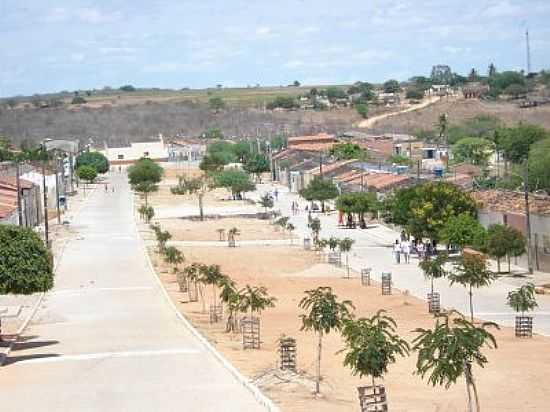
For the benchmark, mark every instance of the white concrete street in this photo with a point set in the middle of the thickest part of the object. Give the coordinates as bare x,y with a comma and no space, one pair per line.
372,248
106,339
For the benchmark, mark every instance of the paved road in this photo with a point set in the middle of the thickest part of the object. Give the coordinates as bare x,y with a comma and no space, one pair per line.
105,339
372,248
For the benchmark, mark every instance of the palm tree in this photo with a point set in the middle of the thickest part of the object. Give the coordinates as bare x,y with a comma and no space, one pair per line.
173,256
345,247
372,345
324,314
472,272
450,349
434,268
231,236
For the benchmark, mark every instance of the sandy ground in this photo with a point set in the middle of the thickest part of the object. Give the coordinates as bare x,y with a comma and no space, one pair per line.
518,366
251,229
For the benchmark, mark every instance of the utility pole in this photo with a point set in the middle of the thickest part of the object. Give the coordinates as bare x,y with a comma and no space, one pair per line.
527,217
18,186
45,189
321,164
528,52
56,162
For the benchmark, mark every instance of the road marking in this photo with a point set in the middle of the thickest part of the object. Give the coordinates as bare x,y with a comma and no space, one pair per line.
92,289
105,355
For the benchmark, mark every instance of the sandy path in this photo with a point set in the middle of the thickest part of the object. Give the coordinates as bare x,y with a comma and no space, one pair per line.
365,124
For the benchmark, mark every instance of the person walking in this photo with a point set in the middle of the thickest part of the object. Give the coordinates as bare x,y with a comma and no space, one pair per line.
406,250
397,251
420,250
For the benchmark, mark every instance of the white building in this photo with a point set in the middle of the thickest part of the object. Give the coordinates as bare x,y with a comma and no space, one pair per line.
156,150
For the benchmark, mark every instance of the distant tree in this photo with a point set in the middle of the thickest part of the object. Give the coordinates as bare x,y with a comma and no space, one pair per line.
283,102
492,70
256,299
78,100
87,173
515,90
212,133
364,89
516,141
266,201
473,76
230,296
25,262
464,230
345,246
391,86
362,109
441,74
323,314
415,93
321,190
127,88
399,159
196,186
471,272
315,227
144,175
505,241
95,159
241,150
421,83
12,103
539,161
216,104
449,350
434,267
474,150
371,345
346,151
236,181
296,83
256,164
500,81
278,142
334,93
146,213
359,203
173,256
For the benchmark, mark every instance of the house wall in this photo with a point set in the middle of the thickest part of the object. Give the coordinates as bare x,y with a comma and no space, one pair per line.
540,235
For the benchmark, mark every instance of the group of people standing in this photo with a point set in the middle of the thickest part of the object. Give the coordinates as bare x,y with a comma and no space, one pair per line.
404,247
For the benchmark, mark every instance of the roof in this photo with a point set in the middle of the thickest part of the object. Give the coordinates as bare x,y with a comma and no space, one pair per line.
318,138
330,167
187,141
382,181
314,147
508,201
11,181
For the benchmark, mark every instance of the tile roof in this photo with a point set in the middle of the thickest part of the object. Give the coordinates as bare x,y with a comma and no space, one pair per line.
508,201
321,137
381,180
329,167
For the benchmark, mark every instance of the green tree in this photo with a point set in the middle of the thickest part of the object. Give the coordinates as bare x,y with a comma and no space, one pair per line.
146,213
505,241
334,93
232,299
500,81
241,150
173,256
321,190
415,93
472,272
127,88
347,151
463,230
25,262
523,299
283,102
450,350
399,159
474,150
86,173
211,275
213,133
358,203
434,267
362,109
78,100
195,186
345,247
391,86
315,227
424,209
371,345
266,201
235,181
144,175
516,141
256,299
193,272
256,164
323,314
216,104
213,162
95,159
539,165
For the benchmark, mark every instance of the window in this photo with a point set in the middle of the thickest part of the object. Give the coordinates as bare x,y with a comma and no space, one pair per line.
120,157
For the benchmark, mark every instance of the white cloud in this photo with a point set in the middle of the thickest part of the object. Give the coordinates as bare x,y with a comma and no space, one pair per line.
503,9
95,16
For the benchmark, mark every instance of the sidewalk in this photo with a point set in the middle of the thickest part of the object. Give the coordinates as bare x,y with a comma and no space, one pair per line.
372,248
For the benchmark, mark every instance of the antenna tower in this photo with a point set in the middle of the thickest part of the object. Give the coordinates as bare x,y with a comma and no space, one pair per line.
528,52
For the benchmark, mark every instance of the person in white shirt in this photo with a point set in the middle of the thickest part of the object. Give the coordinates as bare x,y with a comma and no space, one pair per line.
397,251
406,250
420,250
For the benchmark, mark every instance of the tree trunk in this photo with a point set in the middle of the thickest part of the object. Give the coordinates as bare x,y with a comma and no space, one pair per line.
322,206
318,380
509,268
432,281
347,264
473,402
202,299
471,305
201,211
498,265
146,199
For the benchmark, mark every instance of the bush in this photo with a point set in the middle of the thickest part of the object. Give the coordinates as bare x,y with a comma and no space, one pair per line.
25,263
417,94
283,102
78,100
95,159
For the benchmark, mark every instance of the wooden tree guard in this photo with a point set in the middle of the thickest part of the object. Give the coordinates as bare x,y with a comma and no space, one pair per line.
192,291
183,282
250,327
365,276
221,233
434,302
386,283
287,352
334,258
216,313
524,326
307,243
372,398
231,242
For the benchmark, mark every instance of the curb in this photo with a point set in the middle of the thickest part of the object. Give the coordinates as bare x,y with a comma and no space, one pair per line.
260,397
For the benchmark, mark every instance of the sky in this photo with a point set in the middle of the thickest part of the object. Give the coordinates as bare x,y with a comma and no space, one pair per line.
49,46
